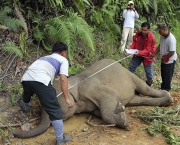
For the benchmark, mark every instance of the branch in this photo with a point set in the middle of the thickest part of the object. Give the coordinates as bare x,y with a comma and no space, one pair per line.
88,122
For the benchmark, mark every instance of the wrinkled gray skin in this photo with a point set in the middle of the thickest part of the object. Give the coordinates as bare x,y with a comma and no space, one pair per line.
104,94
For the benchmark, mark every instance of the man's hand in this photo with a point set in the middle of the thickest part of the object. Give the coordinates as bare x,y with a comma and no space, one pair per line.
136,53
69,102
152,55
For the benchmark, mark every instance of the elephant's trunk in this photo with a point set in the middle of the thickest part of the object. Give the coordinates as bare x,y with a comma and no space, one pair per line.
42,127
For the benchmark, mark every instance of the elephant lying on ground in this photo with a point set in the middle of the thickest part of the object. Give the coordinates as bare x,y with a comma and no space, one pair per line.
105,93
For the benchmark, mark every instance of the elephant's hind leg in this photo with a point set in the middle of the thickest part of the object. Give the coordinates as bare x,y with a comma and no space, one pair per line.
146,101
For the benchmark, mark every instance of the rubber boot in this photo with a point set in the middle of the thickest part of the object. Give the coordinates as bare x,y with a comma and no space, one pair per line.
25,106
65,139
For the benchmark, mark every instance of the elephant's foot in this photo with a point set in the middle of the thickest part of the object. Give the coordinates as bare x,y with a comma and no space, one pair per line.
119,108
123,120
166,101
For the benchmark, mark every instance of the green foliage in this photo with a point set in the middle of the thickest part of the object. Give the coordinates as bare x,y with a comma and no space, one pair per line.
175,29
23,43
159,119
165,115
38,34
80,4
104,19
10,22
11,47
75,69
4,133
54,3
66,28
157,127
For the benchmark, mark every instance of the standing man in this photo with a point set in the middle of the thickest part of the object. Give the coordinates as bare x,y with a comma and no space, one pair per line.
145,43
168,55
129,15
38,80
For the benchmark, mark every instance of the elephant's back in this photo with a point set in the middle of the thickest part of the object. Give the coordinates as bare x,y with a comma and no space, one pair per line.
112,74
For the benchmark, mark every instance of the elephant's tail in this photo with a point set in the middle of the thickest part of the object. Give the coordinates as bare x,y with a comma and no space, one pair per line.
42,127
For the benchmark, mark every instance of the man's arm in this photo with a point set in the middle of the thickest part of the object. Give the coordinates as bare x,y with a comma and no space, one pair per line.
136,13
64,87
166,57
157,50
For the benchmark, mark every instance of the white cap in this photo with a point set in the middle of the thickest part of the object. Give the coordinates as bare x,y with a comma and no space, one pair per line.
130,2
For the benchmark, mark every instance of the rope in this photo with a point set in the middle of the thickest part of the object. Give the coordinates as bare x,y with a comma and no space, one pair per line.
96,73
101,70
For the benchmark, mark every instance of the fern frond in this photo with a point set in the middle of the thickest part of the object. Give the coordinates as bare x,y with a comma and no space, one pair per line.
82,29
80,4
38,34
12,23
11,47
3,13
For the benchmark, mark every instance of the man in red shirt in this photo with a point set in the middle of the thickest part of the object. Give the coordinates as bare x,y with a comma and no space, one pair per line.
145,42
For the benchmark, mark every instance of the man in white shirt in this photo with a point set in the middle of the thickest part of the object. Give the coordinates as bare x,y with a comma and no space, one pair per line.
129,15
168,55
38,80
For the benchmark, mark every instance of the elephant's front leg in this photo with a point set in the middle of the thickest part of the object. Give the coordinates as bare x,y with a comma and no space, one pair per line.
107,100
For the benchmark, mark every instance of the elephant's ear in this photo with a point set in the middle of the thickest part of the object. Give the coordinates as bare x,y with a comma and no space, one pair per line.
73,85
74,93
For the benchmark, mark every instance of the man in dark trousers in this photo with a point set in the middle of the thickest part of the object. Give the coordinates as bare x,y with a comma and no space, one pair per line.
38,80
168,55
145,43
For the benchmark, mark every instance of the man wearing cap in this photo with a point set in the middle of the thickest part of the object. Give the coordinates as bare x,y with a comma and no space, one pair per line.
38,80
129,15
145,43
168,55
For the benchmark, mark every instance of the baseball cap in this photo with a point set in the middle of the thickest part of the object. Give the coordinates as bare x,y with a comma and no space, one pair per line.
161,26
130,2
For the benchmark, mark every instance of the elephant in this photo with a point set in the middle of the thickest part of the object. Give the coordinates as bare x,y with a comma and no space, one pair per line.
105,89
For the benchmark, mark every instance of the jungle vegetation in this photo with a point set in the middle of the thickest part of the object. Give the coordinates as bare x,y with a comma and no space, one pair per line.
90,28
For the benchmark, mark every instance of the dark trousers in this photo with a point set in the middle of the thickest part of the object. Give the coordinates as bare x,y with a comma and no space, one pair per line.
46,95
167,71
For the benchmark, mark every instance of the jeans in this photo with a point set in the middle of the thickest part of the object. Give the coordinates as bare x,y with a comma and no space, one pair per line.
167,71
136,61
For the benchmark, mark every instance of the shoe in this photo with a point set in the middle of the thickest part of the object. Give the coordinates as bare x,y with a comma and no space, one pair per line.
65,139
24,106
149,83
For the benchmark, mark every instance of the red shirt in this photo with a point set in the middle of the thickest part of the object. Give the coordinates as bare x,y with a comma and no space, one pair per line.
146,49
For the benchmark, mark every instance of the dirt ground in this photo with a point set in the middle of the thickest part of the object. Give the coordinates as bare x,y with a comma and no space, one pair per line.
84,134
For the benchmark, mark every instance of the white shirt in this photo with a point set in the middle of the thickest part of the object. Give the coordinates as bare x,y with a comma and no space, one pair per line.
166,45
46,68
129,16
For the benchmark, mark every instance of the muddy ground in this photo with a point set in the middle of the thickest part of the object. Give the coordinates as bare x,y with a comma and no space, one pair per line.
84,134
